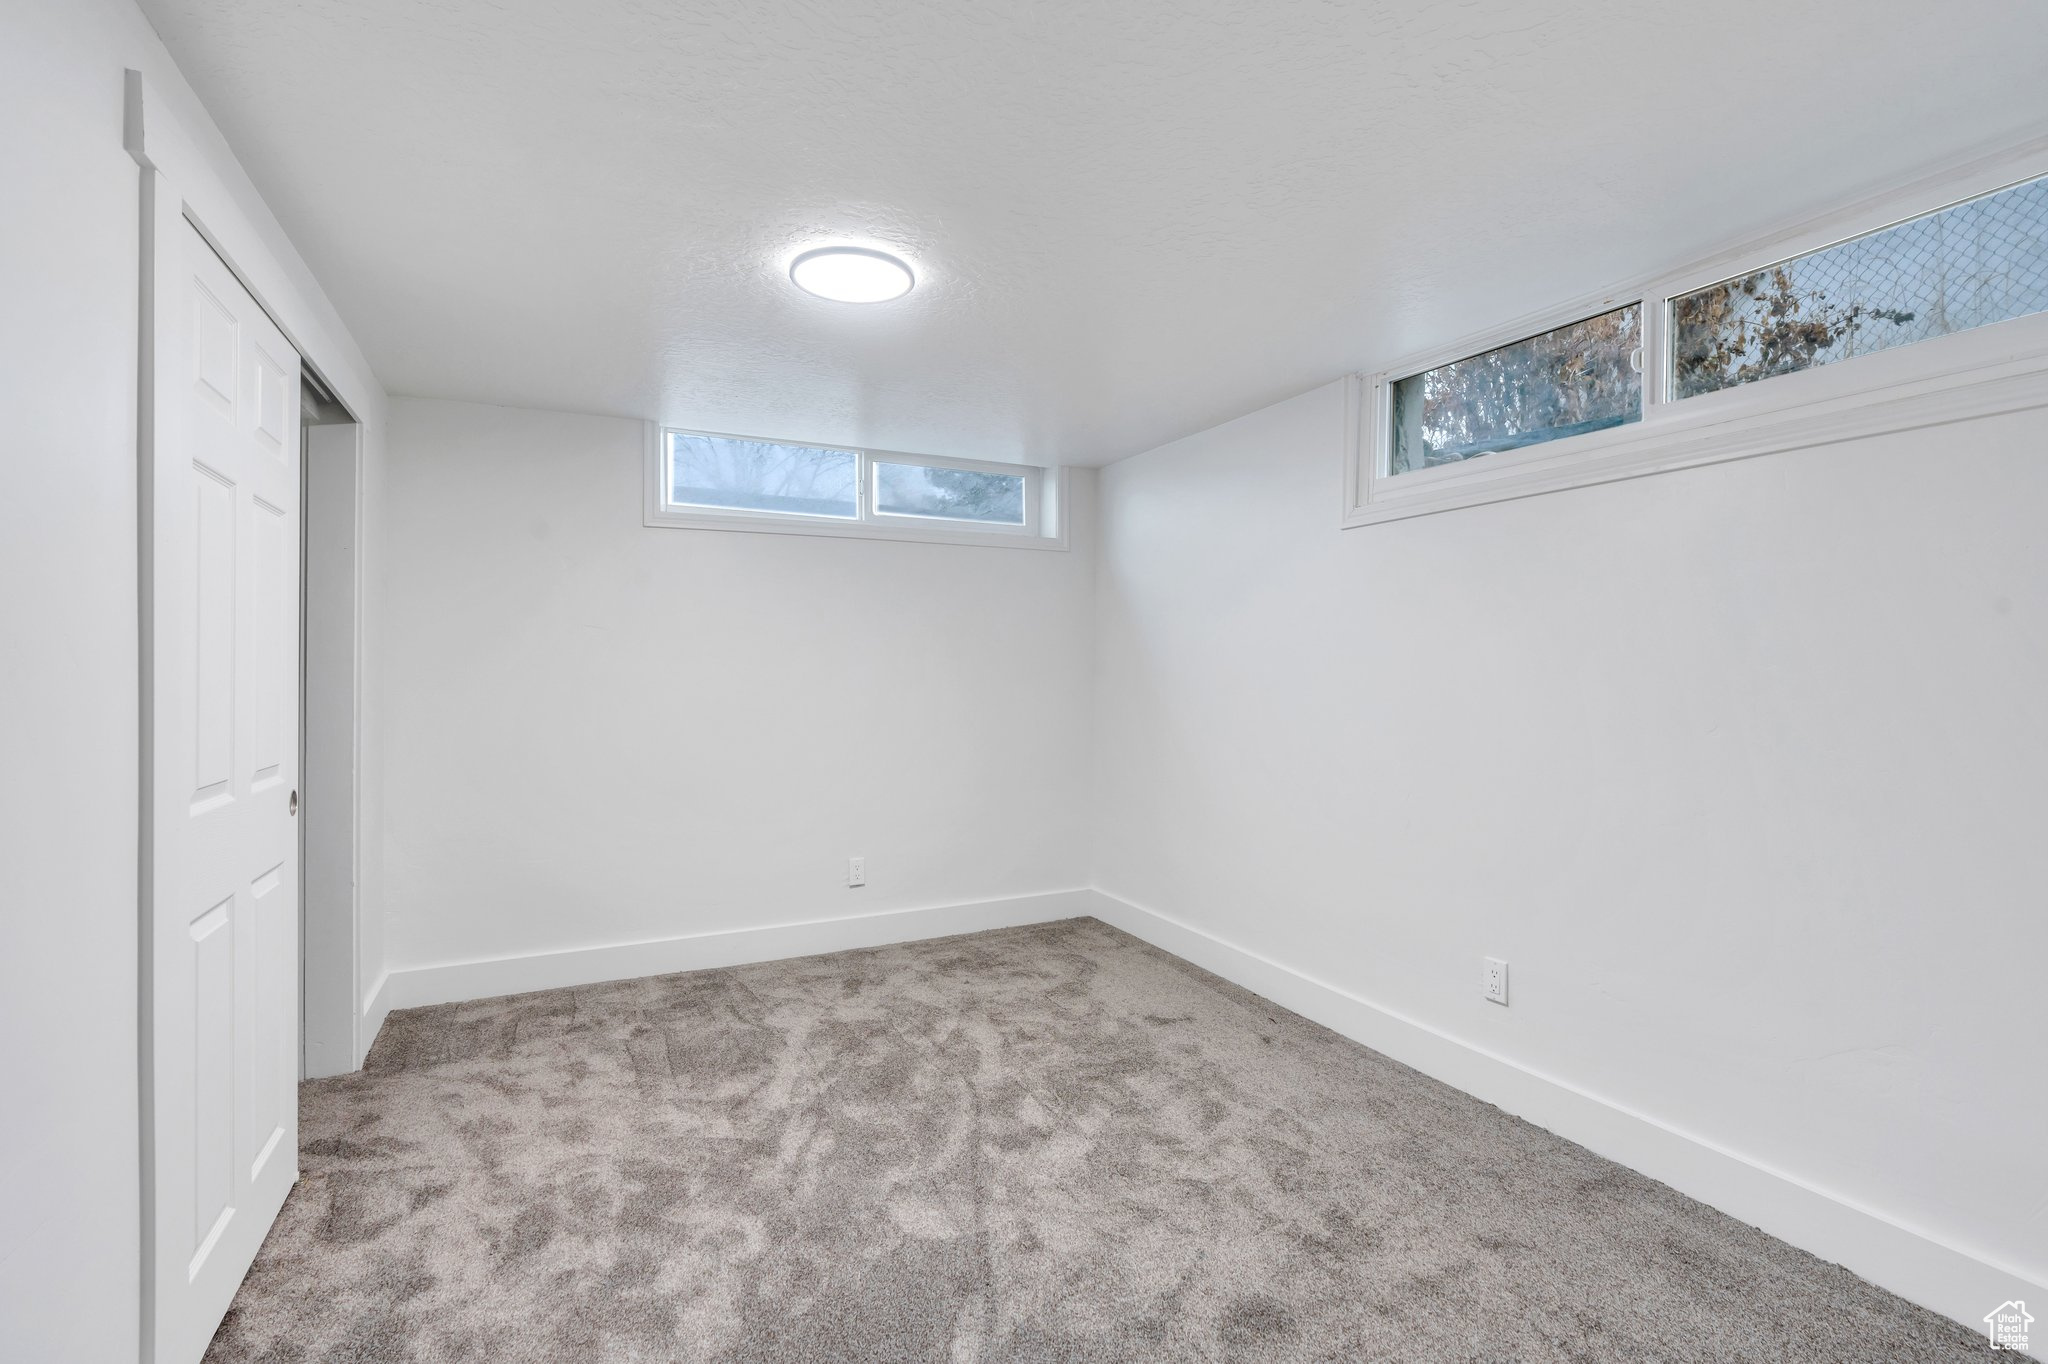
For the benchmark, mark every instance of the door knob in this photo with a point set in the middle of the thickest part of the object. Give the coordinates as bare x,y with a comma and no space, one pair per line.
293,807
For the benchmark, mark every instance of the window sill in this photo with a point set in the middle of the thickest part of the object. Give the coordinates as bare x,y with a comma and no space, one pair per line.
852,530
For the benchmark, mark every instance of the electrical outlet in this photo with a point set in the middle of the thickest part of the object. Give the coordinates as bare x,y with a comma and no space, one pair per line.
1495,981
856,871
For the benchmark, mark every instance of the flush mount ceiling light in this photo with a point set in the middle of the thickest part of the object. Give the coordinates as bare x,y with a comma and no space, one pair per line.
851,274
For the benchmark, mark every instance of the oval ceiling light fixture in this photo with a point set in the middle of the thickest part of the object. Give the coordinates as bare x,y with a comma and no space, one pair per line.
851,274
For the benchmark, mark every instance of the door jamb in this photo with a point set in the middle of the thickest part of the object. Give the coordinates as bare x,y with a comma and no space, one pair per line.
331,1023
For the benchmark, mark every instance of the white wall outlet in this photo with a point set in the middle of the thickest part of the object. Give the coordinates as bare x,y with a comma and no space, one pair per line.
856,871
1495,981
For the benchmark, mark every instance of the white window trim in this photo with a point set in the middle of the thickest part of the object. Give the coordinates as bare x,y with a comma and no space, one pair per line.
1044,501
1986,370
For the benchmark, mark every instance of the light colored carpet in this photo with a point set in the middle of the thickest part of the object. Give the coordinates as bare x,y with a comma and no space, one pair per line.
1038,1144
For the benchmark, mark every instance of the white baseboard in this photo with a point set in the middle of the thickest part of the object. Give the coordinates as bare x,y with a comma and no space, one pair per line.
374,1010
1913,1264
448,982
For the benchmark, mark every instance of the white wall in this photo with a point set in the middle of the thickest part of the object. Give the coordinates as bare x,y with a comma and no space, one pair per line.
1742,768
69,1216
602,733
69,1255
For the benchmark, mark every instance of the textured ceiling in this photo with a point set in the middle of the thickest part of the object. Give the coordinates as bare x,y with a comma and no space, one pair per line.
1131,219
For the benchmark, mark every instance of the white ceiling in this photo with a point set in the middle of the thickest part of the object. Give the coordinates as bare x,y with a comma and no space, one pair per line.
1132,219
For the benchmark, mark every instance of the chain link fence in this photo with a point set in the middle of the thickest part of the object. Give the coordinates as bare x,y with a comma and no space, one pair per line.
1966,266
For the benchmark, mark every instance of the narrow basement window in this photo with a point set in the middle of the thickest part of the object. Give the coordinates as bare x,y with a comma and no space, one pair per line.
724,482
941,493
1969,265
1584,376
1673,372
730,474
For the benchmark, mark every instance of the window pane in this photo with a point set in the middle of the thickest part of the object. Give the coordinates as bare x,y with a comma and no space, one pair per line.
953,494
756,475
1960,267
1579,378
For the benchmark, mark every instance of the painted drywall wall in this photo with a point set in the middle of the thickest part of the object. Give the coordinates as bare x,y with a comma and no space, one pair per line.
69,248
69,1276
603,733
1740,768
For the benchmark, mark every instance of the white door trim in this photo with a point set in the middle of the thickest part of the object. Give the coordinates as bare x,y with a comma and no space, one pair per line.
330,769
182,181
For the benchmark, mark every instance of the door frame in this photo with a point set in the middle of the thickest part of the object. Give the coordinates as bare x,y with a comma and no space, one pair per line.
183,180
331,982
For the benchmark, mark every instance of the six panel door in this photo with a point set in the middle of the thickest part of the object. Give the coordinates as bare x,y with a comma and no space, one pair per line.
224,746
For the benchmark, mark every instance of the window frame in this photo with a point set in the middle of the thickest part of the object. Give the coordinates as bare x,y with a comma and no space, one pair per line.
1997,367
1044,497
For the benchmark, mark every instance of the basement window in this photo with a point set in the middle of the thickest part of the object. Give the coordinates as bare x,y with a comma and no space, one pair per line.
722,482
723,473
937,492
1584,376
1968,265
1926,306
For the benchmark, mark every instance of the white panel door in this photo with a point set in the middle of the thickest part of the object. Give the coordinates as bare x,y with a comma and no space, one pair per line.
223,514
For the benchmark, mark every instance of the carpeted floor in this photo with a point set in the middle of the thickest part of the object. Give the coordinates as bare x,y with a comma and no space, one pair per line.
1038,1144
